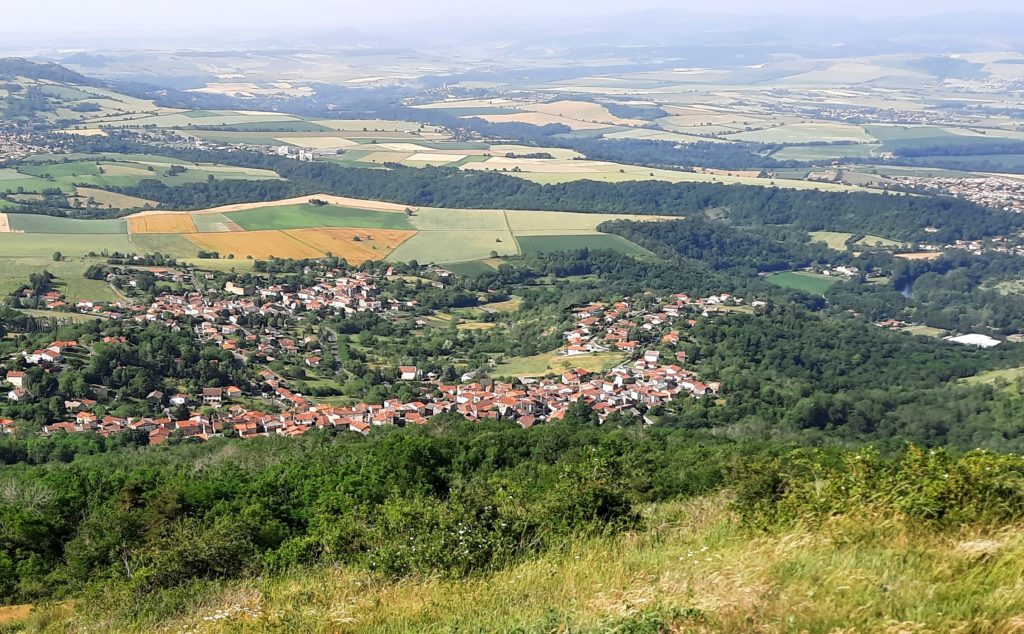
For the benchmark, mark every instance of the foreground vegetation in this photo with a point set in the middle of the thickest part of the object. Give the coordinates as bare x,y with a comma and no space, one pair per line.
723,538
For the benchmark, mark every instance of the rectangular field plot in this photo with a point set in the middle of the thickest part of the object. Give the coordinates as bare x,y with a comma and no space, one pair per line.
162,223
36,244
811,283
303,216
259,245
444,247
35,223
355,246
214,223
173,244
459,220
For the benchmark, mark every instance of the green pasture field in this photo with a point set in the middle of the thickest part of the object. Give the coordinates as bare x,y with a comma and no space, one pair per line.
1009,376
919,172
895,137
166,243
825,152
634,174
447,247
471,269
834,239
104,157
15,271
209,223
192,119
290,125
594,242
12,180
837,240
36,224
74,245
126,173
811,283
459,220
879,241
1013,163
310,216
805,132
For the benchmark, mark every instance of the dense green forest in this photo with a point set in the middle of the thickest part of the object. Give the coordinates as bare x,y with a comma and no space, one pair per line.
893,216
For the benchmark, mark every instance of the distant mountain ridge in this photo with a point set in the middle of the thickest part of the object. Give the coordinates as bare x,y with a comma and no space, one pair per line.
12,67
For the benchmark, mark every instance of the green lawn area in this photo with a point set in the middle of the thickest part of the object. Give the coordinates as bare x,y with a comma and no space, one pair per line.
553,362
310,216
594,242
812,283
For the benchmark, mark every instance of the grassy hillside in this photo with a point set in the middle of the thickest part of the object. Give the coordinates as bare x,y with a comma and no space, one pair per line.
798,542
690,568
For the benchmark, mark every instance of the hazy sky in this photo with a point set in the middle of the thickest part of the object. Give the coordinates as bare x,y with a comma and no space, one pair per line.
129,17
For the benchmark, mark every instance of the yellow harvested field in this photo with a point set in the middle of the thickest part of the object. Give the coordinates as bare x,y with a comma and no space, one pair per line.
318,142
558,153
926,255
436,156
373,244
386,157
111,200
259,245
373,205
540,119
162,223
583,111
85,132
5,225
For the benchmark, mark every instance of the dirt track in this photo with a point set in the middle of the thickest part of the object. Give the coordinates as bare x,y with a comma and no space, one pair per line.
5,225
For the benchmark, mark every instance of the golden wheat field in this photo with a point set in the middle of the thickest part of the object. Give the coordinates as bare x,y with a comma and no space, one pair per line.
162,223
258,245
373,244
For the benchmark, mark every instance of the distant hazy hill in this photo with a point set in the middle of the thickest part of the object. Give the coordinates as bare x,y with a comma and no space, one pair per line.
11,67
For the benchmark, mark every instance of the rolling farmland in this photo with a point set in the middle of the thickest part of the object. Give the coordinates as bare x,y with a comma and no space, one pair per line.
352,229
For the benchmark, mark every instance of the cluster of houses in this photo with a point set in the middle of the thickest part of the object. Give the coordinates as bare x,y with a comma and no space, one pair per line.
55,300
1005,193
618,327
630,388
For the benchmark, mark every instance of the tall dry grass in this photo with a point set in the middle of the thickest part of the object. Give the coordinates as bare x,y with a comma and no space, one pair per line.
691,568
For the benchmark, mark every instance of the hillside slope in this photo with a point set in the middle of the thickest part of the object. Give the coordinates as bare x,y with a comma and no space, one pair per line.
691,568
